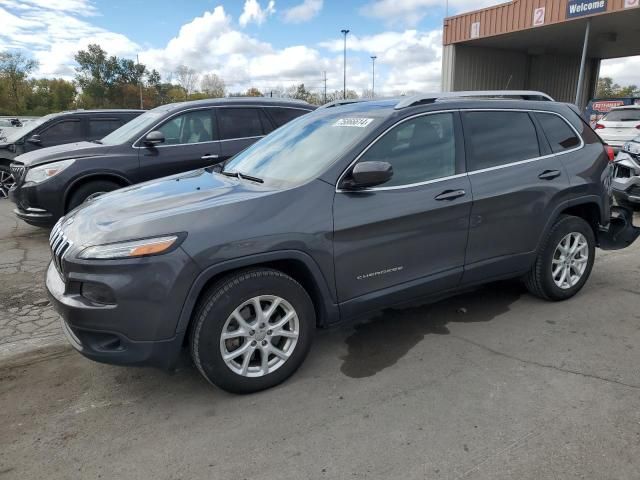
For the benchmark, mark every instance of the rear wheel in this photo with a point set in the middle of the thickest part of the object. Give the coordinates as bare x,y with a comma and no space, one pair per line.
90,190
6,180
565,260
252,330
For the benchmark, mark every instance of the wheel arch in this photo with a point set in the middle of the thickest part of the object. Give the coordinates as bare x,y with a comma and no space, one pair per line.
92,177
588,208
297,264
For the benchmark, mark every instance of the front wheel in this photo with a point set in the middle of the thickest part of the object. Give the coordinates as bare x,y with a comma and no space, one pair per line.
252,330
6,181
565,260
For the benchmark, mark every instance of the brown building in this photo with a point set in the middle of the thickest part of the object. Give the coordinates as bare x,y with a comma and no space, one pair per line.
550,45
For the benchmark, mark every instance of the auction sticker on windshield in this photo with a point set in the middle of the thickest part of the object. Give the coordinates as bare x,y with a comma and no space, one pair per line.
353,122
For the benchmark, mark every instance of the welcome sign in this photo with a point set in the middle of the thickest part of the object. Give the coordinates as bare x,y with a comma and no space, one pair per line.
579,8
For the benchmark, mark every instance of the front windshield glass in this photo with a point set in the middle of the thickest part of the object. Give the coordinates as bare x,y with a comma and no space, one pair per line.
16,134
132,130
303,148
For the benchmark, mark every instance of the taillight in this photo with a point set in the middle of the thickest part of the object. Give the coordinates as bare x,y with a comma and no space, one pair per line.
599,126
610,153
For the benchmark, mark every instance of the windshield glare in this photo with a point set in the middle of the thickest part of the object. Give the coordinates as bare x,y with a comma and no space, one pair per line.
623,115
131,130
303,148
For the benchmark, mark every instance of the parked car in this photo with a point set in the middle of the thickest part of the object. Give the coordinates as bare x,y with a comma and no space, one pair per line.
56,129
338,214
626,176
599,107
619,126
163,141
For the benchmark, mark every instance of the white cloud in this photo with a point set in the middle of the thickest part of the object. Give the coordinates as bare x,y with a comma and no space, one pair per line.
411,12
253,12
623,71
303,12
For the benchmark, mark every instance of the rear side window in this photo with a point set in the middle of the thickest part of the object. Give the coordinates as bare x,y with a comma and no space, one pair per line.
623,115
101,127
560,135
498,138
242,123
419,150
284,115
66,131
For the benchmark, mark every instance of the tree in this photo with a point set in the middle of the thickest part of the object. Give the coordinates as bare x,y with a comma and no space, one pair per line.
212,85
14,69
187,78
607,89
253,92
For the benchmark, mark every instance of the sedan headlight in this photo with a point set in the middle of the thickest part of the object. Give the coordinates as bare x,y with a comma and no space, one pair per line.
130,249
44,172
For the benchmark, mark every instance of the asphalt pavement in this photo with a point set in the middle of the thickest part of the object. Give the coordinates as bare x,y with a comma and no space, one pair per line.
492,384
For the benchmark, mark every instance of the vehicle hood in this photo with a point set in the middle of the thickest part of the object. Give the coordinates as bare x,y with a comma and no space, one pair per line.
63,152
167,205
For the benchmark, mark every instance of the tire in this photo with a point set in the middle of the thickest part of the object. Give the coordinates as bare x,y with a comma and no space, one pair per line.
540,279
216,314
83,192
6,180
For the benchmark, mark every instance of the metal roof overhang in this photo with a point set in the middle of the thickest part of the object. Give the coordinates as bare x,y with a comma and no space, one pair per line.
613,35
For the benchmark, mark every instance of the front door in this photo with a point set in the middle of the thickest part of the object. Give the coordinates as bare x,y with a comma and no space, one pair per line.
405,238
191,142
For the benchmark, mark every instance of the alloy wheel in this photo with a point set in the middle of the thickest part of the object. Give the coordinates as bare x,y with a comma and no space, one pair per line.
259,336
6,182
570,260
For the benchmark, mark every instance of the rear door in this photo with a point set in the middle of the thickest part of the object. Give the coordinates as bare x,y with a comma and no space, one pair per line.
191,142
517,183
239,127
412,230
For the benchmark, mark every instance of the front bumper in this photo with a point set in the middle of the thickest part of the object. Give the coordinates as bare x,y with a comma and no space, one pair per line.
139,327
38,204
626,179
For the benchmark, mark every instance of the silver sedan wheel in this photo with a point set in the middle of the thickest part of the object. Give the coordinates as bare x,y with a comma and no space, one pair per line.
259,336
6,182
570,260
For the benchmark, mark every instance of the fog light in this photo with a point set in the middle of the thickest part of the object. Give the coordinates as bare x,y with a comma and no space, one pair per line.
97,293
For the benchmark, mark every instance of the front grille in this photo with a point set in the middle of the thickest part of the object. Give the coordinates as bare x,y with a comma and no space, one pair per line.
60,246
17,170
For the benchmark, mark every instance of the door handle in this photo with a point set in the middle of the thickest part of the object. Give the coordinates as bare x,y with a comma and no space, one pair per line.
450,195
549,174
209,157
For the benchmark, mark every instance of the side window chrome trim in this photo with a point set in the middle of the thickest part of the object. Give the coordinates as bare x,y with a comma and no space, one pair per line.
397,187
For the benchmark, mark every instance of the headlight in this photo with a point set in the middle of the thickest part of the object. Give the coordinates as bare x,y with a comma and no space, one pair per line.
135,248
45,172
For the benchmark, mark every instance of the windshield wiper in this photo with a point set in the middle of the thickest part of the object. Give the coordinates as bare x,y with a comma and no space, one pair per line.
99,142
242,176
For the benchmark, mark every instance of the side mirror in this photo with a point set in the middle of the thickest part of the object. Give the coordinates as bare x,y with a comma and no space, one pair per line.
35,139
369,174
154,138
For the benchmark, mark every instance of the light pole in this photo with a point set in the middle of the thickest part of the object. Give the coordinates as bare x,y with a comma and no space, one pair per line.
373,76
344,91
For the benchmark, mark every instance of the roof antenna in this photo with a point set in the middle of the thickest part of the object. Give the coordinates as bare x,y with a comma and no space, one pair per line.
509,82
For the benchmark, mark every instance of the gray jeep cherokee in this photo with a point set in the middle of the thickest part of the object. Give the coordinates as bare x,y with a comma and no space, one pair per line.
337,214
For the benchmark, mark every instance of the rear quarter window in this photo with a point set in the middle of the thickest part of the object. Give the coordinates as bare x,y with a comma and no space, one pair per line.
498,138
285,115
560,135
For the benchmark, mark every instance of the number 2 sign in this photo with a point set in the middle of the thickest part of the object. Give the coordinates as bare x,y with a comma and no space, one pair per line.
538,16
631,3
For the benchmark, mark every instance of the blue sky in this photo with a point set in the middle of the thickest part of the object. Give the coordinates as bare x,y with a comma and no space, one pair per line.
268,44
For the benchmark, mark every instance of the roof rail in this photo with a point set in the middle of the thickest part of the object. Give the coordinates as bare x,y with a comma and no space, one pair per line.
435,97
337,103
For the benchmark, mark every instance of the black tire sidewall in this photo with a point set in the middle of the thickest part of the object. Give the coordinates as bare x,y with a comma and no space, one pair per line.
220,303
565,226
84,191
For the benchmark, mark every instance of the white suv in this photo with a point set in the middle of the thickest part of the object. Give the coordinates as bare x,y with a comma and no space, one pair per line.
619,126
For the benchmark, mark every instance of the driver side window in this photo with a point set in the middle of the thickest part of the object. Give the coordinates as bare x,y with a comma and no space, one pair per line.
419,150
191,127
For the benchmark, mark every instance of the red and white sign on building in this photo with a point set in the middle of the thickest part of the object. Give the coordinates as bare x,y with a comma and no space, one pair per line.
475,30
631,3
538,17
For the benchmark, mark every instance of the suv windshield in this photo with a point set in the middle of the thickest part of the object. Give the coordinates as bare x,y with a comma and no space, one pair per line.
623,115
300,150
136,127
